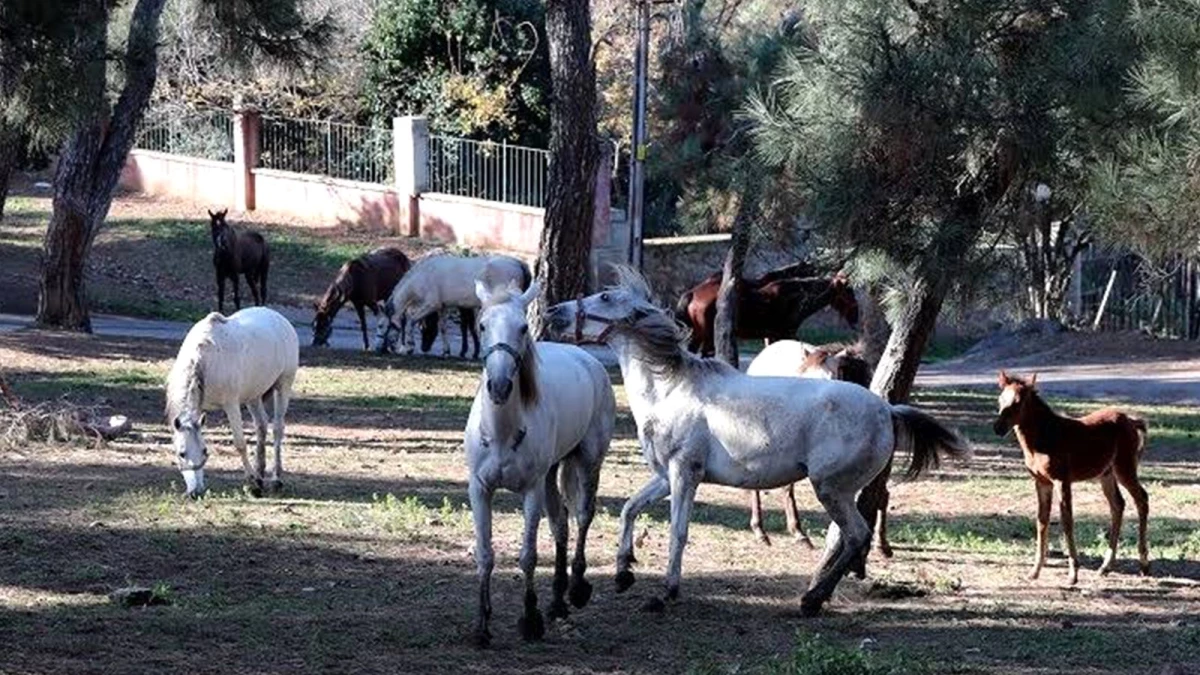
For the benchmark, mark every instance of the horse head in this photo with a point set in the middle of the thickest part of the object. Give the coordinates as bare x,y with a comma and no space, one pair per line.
1015,393
593,319
190,452
842,298
220,228
508,348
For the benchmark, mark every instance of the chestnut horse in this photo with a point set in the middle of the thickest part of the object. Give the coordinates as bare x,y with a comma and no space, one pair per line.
238,253
771,307
363,282
1106,445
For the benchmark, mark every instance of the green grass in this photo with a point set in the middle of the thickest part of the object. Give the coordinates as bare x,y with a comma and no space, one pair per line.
815,654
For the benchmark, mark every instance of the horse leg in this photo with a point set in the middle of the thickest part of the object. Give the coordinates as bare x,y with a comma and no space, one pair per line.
237,291
756,518
531,625
872,503
1067,514
262,281
258,413
233,413
252,284
1045,493
852,536
1116,512
462,332
443,328
1128,478
470,321
362,323
220,291
792,513
283,394
684,474
655,489
556,513
481,512
881,538
587,482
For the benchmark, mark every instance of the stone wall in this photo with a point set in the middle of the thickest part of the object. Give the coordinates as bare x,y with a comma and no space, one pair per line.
673,265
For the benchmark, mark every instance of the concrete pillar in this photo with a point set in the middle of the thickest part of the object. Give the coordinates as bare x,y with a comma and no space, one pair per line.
410,154
247,125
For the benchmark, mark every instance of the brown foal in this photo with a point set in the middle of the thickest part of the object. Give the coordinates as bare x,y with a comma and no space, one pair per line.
1106,444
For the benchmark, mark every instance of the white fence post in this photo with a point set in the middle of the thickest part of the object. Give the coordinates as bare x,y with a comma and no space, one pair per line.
410,153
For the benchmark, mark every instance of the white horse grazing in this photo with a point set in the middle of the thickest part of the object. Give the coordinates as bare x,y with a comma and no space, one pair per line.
540,426
224,363
703,421
440,281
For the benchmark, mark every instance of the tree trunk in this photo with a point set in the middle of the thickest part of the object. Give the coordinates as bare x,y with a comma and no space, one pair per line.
910,333
725,326
9,137
91,160
564,252
874,330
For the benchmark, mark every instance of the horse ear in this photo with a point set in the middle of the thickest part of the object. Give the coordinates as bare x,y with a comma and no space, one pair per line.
223,212
1003,379
211,214
1033,380
530,293
200,422
177,424
482,292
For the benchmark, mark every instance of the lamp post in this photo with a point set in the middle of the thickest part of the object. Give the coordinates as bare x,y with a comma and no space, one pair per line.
637,159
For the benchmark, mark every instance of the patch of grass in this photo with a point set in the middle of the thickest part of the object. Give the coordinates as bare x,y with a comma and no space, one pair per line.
151,308
814,654
46,386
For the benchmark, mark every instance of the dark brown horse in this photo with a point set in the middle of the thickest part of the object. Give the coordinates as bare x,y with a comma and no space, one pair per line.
363,282
1105,445
771,307
238,253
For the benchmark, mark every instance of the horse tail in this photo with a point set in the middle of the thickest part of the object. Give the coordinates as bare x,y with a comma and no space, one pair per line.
1140,428
924,437
681,308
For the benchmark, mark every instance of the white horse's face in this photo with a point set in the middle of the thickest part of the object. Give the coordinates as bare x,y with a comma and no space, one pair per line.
591,319
190,452
504,336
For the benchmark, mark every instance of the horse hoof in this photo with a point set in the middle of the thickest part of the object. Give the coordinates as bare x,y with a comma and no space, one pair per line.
482,638
809,607
885,551
254,489
275,486
654,606
1032,576
806,543
1144,569
763,538
580,594
558,610
624,580
531,626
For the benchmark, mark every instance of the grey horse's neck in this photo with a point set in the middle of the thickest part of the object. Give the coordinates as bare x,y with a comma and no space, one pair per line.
187,396
505,422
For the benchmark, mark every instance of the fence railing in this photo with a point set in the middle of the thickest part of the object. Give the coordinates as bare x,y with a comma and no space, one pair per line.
332,149
487,170
1163,303
192,133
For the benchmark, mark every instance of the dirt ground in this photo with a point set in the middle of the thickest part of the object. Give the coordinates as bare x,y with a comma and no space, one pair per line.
363,564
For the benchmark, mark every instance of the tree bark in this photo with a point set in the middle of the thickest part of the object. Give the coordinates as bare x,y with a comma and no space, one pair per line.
564,252
91,160
874,330
725,328
9,137
898,367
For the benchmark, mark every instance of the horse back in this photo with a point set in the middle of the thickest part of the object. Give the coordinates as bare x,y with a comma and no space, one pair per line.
576,389
248,353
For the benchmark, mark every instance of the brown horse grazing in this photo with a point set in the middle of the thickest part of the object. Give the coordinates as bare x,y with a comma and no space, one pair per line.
770,307
1106,444
466,319
363,282
238,253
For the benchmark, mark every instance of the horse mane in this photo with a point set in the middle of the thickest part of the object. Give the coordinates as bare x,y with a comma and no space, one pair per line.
657,336
339,290
185,382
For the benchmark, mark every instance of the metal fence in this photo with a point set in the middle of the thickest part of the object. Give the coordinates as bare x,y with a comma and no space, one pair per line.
1158,301
487,170
332,149
206,134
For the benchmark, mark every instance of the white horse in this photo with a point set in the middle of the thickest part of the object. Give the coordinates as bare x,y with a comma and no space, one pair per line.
792,358
439,281
703,421
223,364
540,425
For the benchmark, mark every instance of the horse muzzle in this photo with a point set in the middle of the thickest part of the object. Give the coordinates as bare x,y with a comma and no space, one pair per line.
499,389
1001,426
193,480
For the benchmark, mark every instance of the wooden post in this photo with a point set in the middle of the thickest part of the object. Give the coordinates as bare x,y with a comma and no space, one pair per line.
1112,279
410,155
246,126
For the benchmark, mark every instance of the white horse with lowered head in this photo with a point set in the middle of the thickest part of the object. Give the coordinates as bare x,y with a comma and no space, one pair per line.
702,421
223,364
441,280
540,426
